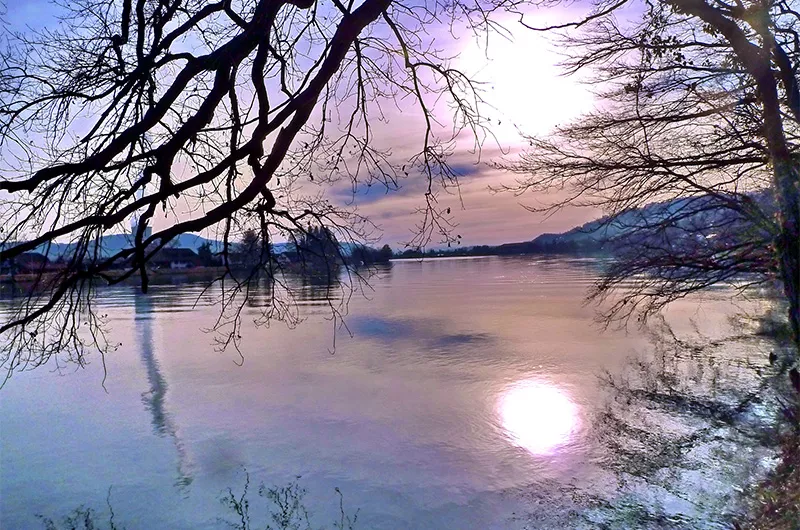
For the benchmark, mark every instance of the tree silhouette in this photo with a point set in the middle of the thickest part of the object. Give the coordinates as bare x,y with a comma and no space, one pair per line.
188,116
699,110
251,248
385,253
206,255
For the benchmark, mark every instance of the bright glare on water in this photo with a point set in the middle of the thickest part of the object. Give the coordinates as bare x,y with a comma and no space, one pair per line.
538,417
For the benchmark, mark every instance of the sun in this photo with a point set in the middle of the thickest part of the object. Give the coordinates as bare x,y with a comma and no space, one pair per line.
522,82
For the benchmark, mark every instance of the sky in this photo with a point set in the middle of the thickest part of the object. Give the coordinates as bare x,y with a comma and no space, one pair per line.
524,93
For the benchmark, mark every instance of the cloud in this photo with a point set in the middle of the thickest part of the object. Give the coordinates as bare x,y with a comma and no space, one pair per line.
482,216
466,170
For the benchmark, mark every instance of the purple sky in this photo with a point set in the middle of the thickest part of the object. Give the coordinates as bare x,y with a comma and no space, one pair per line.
524,93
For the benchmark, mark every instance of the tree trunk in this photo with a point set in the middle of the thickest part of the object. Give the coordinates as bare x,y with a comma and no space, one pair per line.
786,182
787,188
786,177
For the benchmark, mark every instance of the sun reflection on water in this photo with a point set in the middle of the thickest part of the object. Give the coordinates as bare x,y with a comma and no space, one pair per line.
537,416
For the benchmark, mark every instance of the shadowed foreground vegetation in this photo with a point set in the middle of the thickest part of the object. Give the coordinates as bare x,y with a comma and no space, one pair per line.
776,501
278,508
707,424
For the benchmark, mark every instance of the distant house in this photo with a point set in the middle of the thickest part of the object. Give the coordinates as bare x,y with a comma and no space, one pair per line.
7,267
237,260
27,263
31,262
176,258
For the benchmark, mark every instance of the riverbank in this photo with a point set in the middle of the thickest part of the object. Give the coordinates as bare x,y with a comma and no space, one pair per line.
26,281
775,501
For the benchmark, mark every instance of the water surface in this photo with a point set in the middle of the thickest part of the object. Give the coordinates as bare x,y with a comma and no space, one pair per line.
462,399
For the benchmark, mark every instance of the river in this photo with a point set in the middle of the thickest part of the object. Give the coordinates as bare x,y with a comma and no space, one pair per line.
458,393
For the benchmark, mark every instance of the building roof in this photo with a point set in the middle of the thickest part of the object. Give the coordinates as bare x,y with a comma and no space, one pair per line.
31,258
176,254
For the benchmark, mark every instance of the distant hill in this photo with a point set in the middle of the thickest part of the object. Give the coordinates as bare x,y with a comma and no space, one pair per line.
111,244
690,221
682,224
591,237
